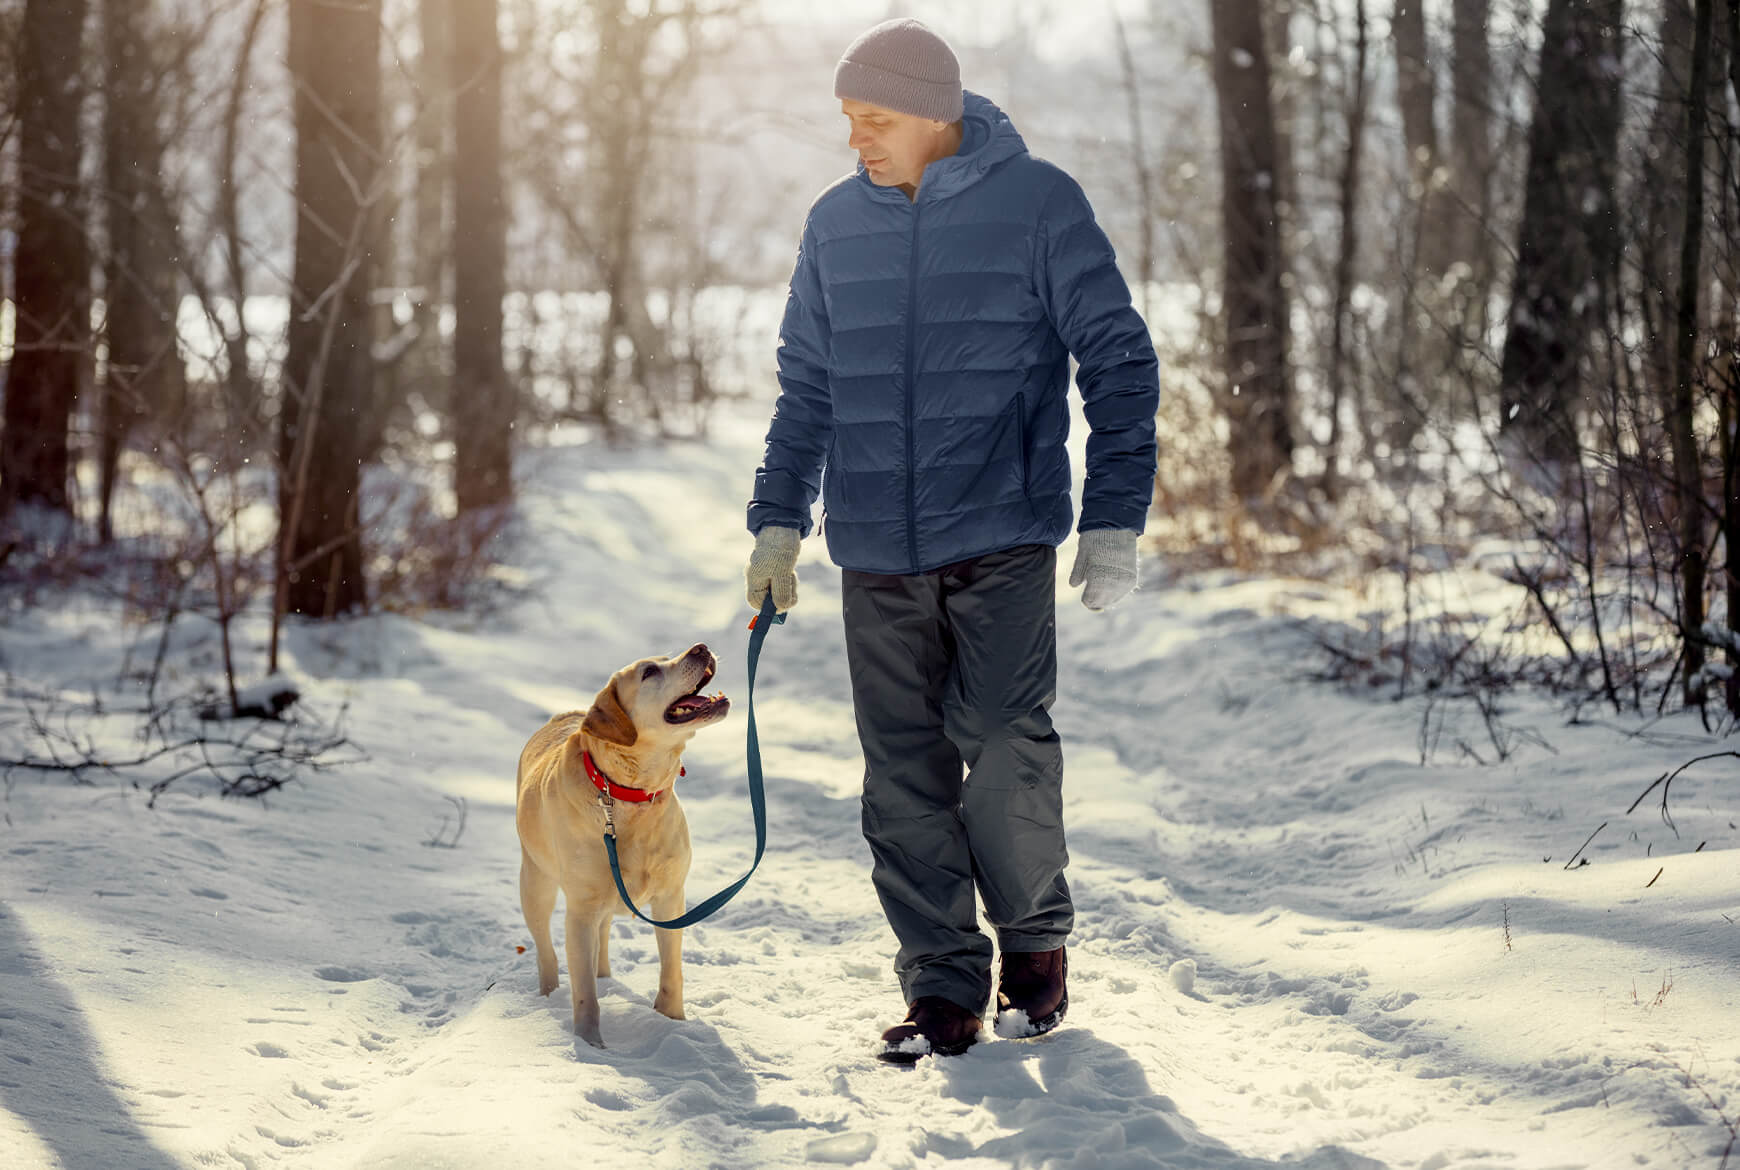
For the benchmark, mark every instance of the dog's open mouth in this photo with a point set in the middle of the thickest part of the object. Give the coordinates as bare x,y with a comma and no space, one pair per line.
695,705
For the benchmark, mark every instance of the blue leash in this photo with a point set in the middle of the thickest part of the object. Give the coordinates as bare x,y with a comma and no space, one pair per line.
757,798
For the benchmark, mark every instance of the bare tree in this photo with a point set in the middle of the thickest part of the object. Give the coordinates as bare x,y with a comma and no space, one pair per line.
1662,208
1139,162
598,147
143,377
1470,160
483,399
329,369
1259,384
621,109
1416,95
1568,235
242,402
1688,462
1346,249
1416,88
1728,421
431,247
51,273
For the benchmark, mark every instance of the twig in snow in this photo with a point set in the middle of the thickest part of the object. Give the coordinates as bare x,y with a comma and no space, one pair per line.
1585,845
258,759
1666,780
437,841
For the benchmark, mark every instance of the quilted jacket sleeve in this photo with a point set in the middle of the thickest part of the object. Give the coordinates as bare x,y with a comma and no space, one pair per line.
789,478
1118,374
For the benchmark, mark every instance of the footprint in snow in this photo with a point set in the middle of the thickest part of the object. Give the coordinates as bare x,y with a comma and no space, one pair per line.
841,1149
340,975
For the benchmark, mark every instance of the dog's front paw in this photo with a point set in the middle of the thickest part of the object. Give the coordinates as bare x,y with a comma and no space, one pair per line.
669,1005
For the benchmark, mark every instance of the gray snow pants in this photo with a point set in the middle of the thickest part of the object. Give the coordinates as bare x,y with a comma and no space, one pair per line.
953,676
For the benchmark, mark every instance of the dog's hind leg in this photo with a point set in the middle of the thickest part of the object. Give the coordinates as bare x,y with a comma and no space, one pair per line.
537,903
670,996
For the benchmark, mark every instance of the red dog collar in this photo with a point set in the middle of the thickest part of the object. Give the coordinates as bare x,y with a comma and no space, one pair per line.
617,791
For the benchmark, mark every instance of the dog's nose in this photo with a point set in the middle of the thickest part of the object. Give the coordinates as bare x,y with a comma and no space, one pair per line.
698,650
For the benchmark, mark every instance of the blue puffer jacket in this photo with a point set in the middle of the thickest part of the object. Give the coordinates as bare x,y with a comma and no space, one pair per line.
924,365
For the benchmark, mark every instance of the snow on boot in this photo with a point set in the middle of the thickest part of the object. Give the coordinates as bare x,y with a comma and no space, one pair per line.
933,1026
1031,994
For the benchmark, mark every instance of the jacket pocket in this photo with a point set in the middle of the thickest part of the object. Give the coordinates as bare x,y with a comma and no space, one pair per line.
1025,457
829,472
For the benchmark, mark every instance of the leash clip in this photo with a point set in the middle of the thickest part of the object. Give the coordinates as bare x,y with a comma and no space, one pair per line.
609,812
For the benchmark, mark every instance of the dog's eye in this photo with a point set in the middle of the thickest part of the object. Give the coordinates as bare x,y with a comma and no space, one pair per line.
649,672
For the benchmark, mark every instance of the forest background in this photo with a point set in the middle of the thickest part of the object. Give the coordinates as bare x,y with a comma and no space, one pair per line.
289,283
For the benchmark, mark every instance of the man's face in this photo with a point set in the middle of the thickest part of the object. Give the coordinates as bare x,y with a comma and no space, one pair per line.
894,147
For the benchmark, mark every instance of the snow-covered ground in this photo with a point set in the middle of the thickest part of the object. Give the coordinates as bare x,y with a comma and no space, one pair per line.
1297,945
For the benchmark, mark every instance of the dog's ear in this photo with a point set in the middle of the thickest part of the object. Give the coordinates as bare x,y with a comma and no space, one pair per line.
608,719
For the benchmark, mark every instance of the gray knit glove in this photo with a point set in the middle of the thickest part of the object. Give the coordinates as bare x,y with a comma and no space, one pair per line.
1106,560
773,565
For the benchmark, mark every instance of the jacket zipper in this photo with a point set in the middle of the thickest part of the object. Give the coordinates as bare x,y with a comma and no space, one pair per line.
911,395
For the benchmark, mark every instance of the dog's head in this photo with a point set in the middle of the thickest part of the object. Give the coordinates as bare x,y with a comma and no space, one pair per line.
657,702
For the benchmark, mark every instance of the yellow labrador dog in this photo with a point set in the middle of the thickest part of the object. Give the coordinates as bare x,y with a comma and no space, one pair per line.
629,743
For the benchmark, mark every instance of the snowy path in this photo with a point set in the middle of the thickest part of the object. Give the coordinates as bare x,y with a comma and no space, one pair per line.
306,983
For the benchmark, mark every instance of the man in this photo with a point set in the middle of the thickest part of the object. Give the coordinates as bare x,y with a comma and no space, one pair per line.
924,372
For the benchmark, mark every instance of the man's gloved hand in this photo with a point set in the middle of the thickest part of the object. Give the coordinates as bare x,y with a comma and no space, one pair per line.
773,565
1105,558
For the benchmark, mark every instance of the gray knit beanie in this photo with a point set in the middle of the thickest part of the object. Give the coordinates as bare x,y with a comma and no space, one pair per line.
901,65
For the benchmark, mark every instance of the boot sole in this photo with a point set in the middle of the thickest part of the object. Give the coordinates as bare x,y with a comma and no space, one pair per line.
895,1056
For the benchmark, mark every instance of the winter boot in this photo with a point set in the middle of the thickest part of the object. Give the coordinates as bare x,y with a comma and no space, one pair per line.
934,1025
1031,995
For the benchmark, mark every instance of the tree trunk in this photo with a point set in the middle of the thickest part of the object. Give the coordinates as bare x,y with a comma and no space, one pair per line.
143,378
1416,95
483,401
1471,141
1345,251
1277,19
1688,465
615,118
1662,194
434,237
1730,514
1468,197
1415,89
329,369
1567,236
51,268
1259,387
1728,417
1138,162
242,392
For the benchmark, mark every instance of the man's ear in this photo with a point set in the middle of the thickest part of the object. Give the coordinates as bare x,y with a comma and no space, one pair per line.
608,719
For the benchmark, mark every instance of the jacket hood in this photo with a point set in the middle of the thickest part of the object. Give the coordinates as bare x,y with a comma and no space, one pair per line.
988,138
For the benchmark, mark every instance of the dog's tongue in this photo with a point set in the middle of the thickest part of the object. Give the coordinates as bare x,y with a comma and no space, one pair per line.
691,702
